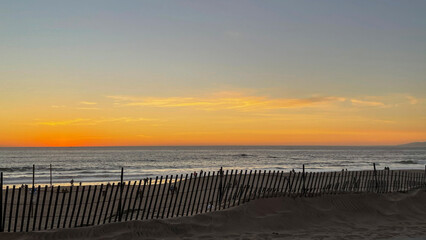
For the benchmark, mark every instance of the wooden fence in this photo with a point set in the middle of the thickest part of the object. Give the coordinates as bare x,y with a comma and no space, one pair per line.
25,208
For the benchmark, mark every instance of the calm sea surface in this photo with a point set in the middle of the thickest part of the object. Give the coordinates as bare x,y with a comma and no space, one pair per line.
102,164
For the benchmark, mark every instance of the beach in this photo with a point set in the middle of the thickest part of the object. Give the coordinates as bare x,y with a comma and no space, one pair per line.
251,204
346,216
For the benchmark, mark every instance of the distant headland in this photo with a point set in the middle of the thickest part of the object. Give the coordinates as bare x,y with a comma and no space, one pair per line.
413,144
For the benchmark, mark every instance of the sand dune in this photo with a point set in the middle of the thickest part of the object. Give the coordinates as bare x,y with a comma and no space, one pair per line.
347,216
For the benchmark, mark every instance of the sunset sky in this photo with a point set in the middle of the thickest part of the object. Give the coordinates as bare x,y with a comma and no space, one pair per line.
114,73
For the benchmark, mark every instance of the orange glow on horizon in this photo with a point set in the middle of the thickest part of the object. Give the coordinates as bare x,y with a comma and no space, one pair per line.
227,118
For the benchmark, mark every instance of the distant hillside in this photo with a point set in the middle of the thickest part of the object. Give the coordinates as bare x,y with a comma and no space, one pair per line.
414,144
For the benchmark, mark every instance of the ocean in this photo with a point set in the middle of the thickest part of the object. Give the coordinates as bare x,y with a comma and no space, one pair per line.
103,164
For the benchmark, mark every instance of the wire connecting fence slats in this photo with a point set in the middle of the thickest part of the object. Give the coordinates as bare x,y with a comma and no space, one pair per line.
24,208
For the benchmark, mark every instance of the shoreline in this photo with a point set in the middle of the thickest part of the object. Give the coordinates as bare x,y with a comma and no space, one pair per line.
90,183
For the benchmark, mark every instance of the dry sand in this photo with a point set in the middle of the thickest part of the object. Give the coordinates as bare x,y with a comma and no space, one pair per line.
346,216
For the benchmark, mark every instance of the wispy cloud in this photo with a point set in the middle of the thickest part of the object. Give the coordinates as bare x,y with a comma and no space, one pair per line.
88,108
225,102
412,100
78,121
88,121
58,106
88,103
364,103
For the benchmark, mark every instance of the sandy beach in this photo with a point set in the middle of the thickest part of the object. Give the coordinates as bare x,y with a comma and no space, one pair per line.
80,206
346,216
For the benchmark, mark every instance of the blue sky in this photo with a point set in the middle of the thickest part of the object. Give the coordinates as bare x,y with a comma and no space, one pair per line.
72,50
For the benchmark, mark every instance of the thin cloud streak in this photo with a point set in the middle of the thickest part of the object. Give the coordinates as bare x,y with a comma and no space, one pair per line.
87,121
88,103
238,102
363,103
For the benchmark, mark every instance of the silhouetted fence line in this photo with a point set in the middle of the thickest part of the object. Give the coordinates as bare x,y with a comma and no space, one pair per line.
36,208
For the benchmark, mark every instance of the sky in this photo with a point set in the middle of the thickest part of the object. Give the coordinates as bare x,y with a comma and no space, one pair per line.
119,73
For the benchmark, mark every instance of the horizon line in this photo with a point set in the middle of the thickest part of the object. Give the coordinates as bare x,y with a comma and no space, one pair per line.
289,145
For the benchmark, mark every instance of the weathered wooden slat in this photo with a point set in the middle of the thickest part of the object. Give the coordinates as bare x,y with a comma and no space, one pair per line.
141,199
287,185
74,205
277,184
1,202
268,185
152,198
85,205
249,186
206,189
48,207
221,188
179,190
109,203
61,209
259,186
291,183
4,209
192,193
103,204
210,200
162,196
169,188
201,192
97,204
242,188
186,198
146,200
79,206
17,209
68,207
24,207
226,190
122,211
136,199
116,195
92,203
55,206
297,183
30,212
265,186
11,209
130,201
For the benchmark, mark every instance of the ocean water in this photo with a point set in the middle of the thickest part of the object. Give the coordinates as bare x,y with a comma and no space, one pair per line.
103,164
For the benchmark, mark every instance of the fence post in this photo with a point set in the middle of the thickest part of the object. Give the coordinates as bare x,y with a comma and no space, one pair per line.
303,180
30,212
4,209
1,202
50,174
375,177
121,194
220,183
